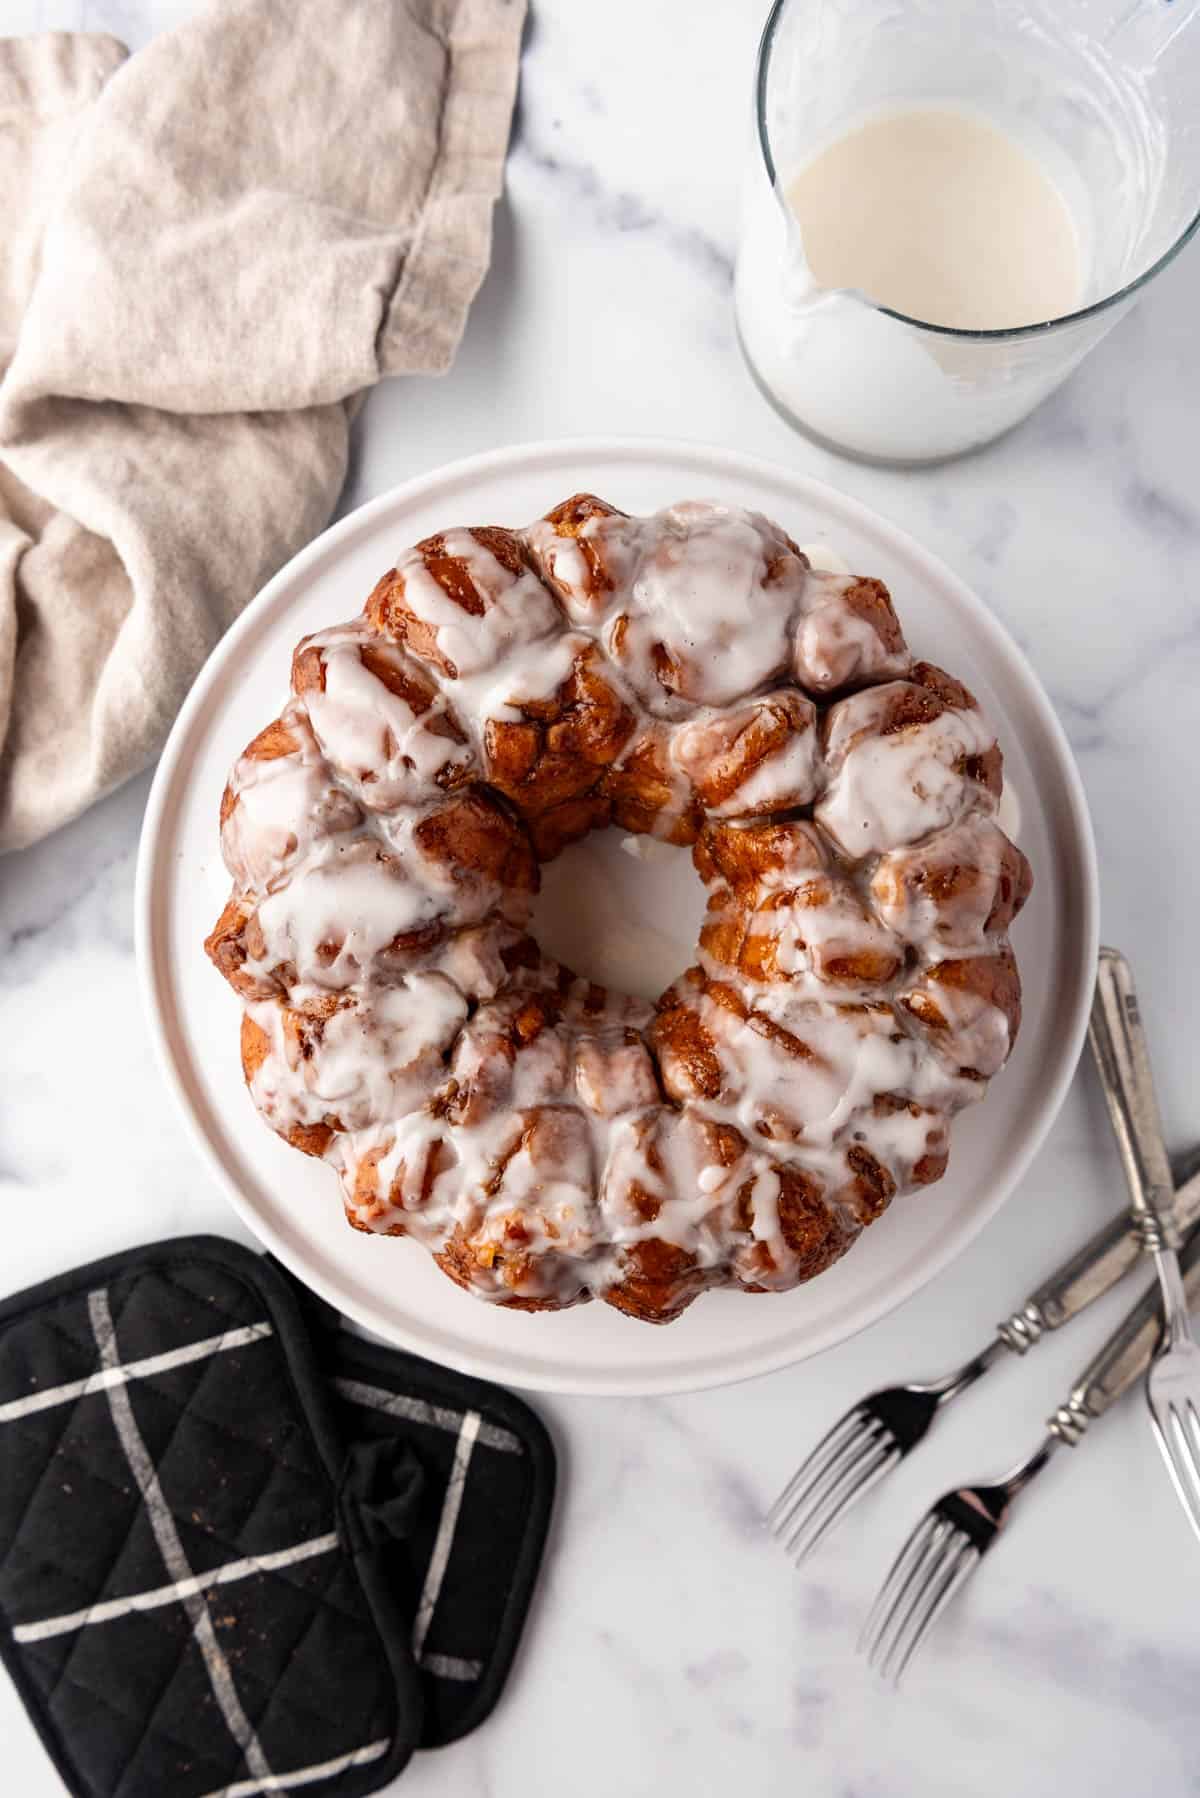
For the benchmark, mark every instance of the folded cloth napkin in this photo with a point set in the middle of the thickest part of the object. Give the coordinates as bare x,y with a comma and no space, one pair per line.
208,251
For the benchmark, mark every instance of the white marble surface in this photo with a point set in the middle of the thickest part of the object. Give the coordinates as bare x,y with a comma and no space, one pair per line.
671,1650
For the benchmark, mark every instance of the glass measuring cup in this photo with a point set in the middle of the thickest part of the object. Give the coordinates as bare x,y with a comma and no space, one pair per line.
1102,92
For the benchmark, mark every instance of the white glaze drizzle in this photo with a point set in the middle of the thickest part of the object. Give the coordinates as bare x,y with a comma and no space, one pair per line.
386,752
374,1058
782,777
284,806
541,1168
517,608
699,593
889,790
834,644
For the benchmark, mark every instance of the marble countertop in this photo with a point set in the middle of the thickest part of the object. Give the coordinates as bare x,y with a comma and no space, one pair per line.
671,1650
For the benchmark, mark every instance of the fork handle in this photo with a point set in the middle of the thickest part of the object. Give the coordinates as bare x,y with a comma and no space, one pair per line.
1119,1043
1093,1270
1127,1353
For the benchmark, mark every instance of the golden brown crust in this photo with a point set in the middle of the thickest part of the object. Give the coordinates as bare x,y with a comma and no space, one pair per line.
755,858
992,978
658,1281
308,669
554,830
233,940
687,1054
390,611
453,574
385,609
647,797
807,1225
255,1045
271,742
472,831
954,994
950,693
968,894
788,906
301,1032
870,600
557,754
870,1187
311,1139
569,520
813,1233
721,758
383,1211
570,517
462,1261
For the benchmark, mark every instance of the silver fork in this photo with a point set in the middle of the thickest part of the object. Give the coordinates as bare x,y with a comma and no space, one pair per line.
953,1536
882,1428
1173,1382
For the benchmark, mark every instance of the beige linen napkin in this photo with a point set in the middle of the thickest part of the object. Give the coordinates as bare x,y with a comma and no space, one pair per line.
206,252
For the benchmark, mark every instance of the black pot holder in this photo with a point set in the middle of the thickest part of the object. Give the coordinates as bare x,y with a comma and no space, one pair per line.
242,1550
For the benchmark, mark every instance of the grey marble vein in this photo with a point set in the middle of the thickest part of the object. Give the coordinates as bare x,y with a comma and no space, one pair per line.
579,184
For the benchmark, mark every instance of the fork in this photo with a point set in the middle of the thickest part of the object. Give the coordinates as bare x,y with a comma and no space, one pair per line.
1173,1382
954,1535
885,1426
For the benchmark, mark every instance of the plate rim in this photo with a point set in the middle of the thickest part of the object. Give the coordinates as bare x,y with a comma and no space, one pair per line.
753,1362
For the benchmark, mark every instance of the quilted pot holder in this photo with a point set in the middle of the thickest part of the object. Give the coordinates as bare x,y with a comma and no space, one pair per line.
242,1550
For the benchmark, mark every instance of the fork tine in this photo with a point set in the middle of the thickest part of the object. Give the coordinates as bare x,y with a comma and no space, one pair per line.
1182,1462
1193,1421
832,1444
847,1465
909,1597
1186,1450
822,1518
1189,1435
896,1583
817,1493
1182,1456
937,1596
1189,1429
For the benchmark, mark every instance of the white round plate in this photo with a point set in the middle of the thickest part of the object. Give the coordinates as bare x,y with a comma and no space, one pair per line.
391,1286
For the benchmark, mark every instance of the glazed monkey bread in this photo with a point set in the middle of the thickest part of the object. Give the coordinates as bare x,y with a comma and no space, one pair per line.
687,675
